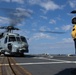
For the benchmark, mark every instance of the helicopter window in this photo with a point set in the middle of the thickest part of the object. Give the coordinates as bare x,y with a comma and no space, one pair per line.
5,40
23,39
12,38
18,39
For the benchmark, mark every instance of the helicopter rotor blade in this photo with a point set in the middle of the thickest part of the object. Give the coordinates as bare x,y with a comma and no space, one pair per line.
12,28
52,32
4,27
73,12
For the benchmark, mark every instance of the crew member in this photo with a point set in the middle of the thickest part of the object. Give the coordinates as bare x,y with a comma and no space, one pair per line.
73,33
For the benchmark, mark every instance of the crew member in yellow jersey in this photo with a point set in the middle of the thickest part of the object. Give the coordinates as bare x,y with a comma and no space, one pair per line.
73,33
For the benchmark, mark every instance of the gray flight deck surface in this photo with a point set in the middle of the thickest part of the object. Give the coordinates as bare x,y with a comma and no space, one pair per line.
48,65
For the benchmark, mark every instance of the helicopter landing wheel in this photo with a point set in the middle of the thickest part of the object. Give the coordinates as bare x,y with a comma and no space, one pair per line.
2,52
22,54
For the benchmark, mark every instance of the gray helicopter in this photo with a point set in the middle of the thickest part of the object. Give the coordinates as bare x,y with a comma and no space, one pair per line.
12,43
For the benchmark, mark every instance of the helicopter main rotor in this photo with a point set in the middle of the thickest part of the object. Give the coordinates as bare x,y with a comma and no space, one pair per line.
9,28
56,32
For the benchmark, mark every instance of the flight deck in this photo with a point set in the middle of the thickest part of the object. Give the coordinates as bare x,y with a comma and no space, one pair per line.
48,65
42,64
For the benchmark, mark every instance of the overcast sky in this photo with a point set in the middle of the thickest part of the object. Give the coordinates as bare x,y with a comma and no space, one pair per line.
45,15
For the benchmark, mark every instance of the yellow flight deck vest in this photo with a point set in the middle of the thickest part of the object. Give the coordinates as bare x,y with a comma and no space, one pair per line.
73,33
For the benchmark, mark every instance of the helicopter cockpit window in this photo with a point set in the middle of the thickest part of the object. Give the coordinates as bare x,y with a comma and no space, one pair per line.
23,39
12,38
18,39
5,40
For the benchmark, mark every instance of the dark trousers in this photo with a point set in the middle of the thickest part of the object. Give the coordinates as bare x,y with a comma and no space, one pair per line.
75,45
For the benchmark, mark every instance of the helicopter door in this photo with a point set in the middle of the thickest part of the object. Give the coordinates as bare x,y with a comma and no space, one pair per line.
11,40
7,45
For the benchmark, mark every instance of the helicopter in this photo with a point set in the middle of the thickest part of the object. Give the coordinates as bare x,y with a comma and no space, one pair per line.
12,43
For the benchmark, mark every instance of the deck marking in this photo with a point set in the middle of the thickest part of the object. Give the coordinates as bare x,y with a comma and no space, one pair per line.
52,59
39,63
